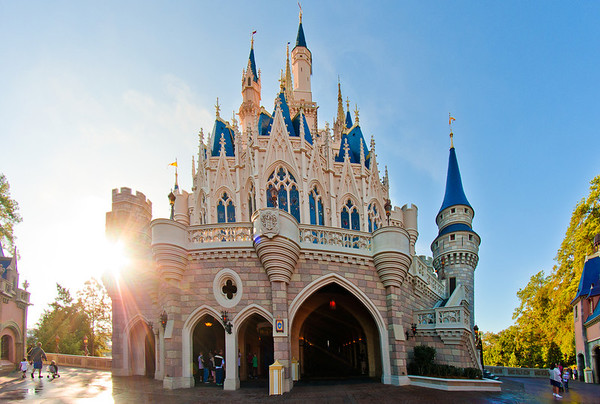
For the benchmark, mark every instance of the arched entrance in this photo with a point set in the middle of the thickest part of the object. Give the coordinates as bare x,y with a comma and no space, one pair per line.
208,337
255,337
142,355
335,336
580,366
596,363
6,343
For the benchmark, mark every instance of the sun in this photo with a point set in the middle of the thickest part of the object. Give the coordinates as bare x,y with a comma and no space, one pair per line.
117,257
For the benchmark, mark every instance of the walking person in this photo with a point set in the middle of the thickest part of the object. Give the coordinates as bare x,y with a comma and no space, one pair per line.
200,368
23,367
254,365
555,380
219,364
37,356
566,377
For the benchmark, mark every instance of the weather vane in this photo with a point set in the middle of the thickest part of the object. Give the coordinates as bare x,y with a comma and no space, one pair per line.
450,120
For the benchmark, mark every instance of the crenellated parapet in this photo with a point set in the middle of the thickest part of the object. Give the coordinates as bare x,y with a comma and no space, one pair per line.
277,244
129,219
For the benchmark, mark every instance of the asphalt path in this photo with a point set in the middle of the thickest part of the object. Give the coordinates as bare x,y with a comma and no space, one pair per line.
96,386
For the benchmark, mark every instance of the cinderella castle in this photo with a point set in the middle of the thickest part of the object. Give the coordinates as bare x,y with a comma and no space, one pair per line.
288,247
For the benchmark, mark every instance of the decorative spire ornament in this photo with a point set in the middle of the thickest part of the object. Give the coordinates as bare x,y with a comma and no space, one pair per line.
356,113
450,120
218,108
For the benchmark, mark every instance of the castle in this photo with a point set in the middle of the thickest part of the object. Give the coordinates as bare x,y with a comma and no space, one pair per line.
288,247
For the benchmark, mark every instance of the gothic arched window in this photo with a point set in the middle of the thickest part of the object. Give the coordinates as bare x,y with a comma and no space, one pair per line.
350,217
225,209
288,197
316,207
374,219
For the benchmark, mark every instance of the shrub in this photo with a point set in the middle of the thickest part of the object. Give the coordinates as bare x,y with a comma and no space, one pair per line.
423,365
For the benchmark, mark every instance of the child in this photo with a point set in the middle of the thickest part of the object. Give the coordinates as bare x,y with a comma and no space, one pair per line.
23,366
53,369
566,380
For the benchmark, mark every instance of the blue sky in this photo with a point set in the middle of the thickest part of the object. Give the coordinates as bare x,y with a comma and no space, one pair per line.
99,95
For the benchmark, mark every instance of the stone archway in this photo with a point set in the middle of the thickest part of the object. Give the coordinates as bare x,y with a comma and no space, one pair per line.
6,348
255,337
596,363
193,330
358,333
141,349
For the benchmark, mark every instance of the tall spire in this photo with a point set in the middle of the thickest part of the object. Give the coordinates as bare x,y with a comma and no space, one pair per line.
455,194
300,40
289,86
251,62
340,109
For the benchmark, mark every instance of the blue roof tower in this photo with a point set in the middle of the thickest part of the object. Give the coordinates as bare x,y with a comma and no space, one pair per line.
456,248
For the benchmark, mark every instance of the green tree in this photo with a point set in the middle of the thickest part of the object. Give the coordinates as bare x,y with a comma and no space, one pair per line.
94,301
72,320
543,330
9,214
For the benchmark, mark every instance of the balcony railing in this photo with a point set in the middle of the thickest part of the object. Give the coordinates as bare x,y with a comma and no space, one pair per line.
220,233
443,318
335,237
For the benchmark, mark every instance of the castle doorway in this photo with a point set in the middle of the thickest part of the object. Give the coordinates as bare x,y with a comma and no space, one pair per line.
142,351
255,337
335,337
208,337
5,348
596,363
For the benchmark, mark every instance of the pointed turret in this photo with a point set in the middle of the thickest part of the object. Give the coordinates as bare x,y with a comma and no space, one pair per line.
251,88
455,194
302,67
456,248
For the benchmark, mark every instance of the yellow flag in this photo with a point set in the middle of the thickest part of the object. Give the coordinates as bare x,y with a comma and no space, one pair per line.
174,164
450,120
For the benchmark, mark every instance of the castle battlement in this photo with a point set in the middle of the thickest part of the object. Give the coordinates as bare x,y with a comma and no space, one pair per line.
125,195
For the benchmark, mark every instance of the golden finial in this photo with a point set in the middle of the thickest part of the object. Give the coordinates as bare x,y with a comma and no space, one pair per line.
450,120
300,7
356,113
252,39
282,81
348,103
218,108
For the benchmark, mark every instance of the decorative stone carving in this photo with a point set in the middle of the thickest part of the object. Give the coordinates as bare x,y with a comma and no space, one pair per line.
270,223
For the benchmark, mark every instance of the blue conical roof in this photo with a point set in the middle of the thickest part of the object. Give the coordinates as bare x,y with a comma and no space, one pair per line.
300,40
253,64
354,138
348,120
455,195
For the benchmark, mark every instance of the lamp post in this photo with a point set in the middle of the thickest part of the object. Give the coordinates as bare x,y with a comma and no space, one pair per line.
85,345
164,317
388,210
172,203
226,321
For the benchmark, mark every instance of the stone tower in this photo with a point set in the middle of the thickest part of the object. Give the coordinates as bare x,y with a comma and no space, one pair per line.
128,223
455,249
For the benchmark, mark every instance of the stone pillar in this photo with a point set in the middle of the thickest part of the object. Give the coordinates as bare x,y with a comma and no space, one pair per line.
391,255
169,247
277,244
232,380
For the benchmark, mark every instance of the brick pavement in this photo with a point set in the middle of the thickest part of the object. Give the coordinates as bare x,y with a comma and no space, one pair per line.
85,385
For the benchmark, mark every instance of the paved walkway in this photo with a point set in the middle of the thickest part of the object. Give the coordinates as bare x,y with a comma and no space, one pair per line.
95,386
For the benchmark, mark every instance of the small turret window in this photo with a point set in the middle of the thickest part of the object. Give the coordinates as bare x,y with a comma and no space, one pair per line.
350,217
452,237
225,209
251,201
374,218
453,210
249,81
316,207
288,197
470,237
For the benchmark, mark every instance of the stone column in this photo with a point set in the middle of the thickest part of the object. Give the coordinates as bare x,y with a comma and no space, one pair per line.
391,255
232,380
277,244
